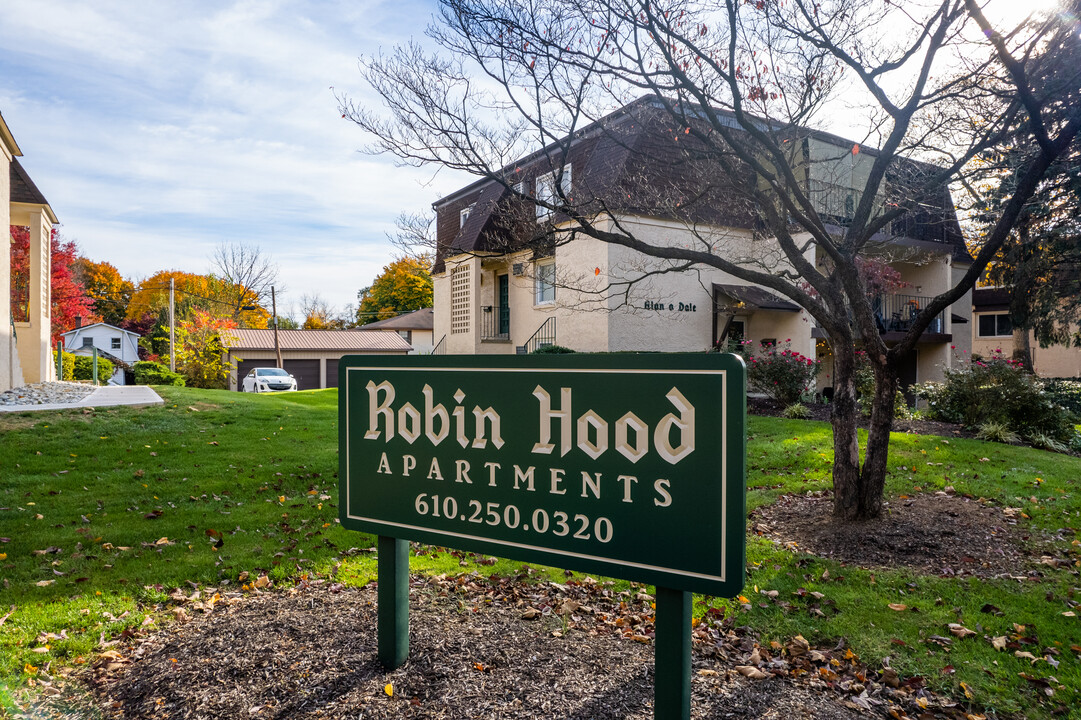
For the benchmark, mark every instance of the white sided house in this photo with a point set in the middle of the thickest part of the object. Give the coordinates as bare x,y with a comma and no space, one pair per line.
25,314
118,345
502,285
414,327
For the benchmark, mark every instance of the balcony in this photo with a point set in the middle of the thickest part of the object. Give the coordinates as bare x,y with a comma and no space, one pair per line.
895,314
495,323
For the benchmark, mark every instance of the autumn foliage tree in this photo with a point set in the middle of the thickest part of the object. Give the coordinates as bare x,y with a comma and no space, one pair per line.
106,287
196,292
403,286
200,356
69,297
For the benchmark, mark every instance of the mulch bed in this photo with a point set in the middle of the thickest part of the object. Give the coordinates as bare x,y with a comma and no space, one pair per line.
479,648
939,534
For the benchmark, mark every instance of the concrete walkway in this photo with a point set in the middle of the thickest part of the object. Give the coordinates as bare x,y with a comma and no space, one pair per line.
106,396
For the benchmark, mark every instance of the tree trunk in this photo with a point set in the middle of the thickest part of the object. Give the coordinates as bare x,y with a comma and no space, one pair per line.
873,475
1022,349
857,491
846,450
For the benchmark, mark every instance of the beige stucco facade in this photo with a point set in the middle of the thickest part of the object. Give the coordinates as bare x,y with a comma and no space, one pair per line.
1055,361
607,298
35,354
10,370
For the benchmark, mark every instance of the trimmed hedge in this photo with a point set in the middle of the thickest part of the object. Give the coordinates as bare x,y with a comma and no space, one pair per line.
152,373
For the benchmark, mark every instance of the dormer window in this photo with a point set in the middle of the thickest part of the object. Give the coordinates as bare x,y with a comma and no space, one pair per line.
546,191
464,215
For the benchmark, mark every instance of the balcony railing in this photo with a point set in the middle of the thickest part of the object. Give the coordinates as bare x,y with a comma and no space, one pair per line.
495,323
895,313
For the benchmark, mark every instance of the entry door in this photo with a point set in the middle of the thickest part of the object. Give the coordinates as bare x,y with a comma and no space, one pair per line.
906,375
504,304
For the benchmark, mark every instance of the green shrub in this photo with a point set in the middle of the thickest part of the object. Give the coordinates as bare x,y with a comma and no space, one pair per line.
997,432
1066,392
552,350
783,374
796,411
997,390
152,373
83,368
68,366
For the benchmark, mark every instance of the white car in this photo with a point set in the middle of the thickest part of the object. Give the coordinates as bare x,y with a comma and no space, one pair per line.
269,379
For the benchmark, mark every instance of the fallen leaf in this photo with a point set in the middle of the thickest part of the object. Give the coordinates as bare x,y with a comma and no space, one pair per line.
389,690
898,606
999,642
751,672
960,630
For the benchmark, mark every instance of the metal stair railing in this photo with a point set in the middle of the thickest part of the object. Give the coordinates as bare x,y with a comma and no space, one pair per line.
545,335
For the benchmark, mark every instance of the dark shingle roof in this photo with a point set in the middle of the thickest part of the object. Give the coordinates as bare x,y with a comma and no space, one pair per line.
423,319
628,162
23,189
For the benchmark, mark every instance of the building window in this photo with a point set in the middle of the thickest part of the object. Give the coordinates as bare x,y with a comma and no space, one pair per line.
406,335
997,325
464,215
114,343
459,299
546,190
88,342
546,282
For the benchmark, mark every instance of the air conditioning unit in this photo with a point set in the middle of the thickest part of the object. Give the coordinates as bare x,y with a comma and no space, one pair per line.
518,269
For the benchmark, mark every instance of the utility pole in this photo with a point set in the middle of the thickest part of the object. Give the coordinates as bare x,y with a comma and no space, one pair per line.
274,307
172,325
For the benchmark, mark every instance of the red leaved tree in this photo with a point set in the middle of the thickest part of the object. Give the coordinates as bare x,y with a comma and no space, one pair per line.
69,299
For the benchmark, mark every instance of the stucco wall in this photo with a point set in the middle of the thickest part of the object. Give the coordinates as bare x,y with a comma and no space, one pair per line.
634,325
8,355
1053,361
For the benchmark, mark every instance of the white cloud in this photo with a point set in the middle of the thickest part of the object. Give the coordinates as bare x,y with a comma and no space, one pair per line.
157,130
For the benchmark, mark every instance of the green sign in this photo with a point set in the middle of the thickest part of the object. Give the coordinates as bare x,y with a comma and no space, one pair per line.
630,466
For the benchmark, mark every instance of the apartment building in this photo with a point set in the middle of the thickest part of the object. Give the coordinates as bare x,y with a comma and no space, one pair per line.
504,283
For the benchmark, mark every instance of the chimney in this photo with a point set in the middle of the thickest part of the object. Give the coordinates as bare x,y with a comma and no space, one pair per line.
78,321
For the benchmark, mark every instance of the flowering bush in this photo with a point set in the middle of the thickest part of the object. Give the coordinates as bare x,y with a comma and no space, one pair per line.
783,374
998,390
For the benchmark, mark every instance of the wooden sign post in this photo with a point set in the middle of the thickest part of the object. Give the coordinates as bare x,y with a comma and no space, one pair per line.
561,460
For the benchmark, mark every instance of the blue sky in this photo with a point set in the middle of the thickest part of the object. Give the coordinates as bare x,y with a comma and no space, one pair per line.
157,130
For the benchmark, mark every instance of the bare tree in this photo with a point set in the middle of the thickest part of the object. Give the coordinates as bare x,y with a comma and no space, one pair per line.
246,275
739,85
414,234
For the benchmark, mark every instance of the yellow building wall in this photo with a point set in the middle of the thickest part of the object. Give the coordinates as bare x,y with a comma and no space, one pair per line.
1051,362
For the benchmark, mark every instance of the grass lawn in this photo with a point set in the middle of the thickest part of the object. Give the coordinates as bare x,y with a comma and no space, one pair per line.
103,514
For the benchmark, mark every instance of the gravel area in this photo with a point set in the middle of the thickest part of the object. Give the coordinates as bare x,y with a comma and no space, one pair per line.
46,393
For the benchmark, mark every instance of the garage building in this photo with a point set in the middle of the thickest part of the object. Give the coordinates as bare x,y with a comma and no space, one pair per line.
311,356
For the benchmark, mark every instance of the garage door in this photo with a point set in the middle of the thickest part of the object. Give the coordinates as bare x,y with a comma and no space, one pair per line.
332,373
305,371
246,366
